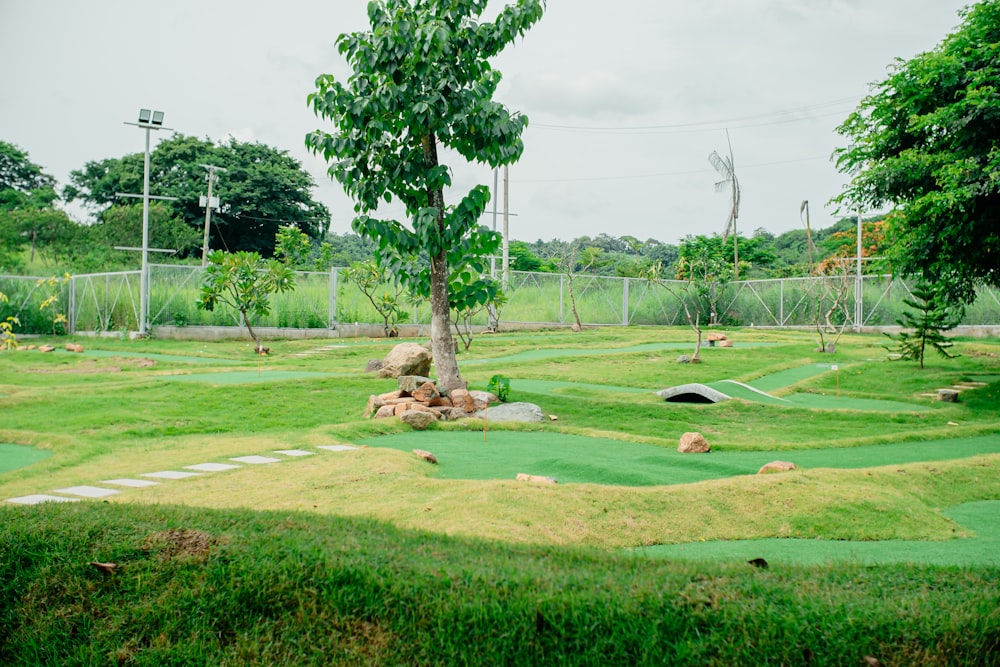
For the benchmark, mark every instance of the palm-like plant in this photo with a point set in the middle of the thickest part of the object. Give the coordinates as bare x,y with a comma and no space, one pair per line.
727,169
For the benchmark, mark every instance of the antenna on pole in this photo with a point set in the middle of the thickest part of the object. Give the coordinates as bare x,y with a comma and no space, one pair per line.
208,202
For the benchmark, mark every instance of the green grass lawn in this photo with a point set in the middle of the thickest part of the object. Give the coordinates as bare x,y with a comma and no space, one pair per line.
373,556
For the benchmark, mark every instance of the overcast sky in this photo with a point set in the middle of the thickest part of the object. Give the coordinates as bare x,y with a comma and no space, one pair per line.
626,99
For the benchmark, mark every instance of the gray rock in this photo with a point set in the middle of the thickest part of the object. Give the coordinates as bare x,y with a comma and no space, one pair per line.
373,365
513,412
418,419
684,359
406,359
484,397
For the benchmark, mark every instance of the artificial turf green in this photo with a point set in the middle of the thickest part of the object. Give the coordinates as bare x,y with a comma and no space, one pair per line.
244,377
13,457
578,459
786,378
982,517
156,357
550,353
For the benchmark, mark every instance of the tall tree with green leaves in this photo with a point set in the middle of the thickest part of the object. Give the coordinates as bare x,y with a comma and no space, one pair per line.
421,79
262,190
926,142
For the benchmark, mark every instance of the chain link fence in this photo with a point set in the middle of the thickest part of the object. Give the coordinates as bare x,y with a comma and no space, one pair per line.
108,302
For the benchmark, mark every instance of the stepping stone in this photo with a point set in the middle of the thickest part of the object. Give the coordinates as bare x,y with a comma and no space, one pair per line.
170,474
39,498
88,491
336,448
255,459
134,483
293,452
211,467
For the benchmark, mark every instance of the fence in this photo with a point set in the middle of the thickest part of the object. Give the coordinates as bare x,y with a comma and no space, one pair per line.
110,302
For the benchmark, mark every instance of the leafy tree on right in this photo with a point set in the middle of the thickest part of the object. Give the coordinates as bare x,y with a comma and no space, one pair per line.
926,142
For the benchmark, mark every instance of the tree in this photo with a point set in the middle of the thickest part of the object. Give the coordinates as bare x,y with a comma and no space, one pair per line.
245,282
934,315
572,259
421,78
926,143
383,291
27,205
262,190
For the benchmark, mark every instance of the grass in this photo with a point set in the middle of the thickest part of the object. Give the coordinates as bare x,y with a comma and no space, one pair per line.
372,556
200,587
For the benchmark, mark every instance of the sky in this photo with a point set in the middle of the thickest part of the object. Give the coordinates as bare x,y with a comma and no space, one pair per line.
626,100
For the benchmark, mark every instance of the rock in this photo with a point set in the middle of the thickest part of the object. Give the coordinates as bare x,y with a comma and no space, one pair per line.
715,337
725,343
453,414
73,347
406,359
776,466
484,397
374,403
440,402
418,407
373,365
693,443
418,419
947,395
390,395
576,328
684,359
409,383
425,455
425,393
384,412
513,412
46,348
461,398
537,479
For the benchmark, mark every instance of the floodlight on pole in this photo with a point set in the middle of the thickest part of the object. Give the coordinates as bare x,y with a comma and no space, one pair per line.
148,120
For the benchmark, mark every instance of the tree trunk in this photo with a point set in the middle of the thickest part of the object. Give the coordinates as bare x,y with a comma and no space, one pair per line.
253,334
442,342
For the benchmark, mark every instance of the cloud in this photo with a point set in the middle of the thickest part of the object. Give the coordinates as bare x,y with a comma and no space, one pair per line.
590,94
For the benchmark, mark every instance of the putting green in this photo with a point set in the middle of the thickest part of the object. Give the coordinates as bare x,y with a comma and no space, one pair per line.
13,457
247,377
578,459
157,357
549,353
981,517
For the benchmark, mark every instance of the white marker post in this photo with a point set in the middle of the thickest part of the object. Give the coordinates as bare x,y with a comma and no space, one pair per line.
836,369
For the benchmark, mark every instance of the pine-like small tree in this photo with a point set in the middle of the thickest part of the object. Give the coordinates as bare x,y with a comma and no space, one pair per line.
934,315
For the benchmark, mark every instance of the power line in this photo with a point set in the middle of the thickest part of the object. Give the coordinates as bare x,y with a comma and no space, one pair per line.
668,174
771,118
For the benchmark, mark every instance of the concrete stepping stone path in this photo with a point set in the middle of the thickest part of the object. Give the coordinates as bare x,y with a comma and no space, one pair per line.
95,492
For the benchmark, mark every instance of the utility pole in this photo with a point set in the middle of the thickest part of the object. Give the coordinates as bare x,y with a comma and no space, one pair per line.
809,238
209,203
506,227
859,313
496,196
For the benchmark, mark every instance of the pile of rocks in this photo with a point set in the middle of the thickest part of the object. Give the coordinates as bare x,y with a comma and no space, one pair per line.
717,338
418,394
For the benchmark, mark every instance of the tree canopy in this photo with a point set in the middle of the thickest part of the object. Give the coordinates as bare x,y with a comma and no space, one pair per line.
926,142
421,78
261,190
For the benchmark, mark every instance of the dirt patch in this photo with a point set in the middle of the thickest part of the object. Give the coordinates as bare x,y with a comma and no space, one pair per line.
91,367
181,543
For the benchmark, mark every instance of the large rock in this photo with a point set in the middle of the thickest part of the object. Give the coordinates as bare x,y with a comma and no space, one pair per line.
776,466
513,412
693,443
409,383
406,359
484,398
461,398
418,419
385,411
425,455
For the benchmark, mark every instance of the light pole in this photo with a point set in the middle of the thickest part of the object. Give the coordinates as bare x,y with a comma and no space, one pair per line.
148,120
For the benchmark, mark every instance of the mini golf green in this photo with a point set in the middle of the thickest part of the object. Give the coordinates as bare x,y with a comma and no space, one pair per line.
247,377
982,517
577,459
13,457
156,357
549,353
